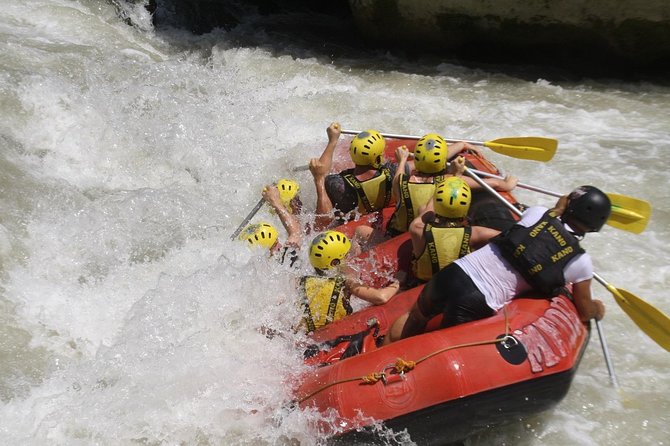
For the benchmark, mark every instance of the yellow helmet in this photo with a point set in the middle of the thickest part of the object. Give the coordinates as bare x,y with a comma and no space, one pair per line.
288,189
260,234
367,148
430,154
452,198
328,249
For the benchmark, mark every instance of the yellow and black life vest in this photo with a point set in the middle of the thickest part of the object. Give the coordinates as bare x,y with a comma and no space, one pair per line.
373,194
540,252
412,197
324,301
443,246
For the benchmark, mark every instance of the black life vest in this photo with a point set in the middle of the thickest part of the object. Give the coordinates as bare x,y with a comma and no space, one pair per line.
540,252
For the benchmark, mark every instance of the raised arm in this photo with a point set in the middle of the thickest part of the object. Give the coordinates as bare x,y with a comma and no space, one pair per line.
289,220
320,168
326,159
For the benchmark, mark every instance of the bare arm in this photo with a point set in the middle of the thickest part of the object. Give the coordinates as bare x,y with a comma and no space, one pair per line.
375,296
459,147
289,220
587,307
333,131
320,168
416,227
505,185
324,206
401,155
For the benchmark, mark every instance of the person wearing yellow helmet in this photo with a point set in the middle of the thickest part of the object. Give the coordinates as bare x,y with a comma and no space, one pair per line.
412,191
441,234
327,292
284,202
365,187
266,236
288,193
262,235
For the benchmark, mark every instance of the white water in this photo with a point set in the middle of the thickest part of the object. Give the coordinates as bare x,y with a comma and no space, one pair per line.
128,157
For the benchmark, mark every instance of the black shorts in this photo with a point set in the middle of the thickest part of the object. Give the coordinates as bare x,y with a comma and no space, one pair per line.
452,293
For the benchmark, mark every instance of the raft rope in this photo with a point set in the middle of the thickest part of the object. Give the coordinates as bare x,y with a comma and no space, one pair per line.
402,366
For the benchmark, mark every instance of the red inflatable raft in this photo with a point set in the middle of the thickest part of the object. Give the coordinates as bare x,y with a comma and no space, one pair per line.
446,384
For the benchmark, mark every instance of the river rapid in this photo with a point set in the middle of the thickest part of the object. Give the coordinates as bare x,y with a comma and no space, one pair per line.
128,156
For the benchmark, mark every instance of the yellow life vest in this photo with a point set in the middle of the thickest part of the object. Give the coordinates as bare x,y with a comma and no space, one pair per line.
373,194
412,197
324,301
443,246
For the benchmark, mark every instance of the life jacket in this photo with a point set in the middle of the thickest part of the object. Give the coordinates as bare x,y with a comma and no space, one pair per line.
540,252
412,197
324,301
373,194
443,246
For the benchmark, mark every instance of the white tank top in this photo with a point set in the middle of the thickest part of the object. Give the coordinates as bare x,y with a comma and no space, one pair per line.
499,282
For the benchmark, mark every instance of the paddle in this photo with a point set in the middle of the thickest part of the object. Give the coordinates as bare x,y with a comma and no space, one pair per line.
649,319
523,147
606,353
248,218
628,213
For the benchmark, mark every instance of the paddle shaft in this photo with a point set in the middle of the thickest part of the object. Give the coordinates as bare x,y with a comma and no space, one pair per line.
601,333
606,354
397,136
521,185
249,217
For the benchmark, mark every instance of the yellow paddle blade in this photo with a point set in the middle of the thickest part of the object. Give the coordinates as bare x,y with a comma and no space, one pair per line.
534,148
649,318
628,213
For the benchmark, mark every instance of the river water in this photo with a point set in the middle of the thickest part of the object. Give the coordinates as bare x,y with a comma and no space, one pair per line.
129,154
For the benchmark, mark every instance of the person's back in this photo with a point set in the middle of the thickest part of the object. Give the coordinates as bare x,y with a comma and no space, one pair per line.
440,235
412,191
326,293
371,177
480,283
364,188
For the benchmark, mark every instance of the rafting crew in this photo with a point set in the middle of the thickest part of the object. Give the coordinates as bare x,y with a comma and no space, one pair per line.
326,292
439,231
539,254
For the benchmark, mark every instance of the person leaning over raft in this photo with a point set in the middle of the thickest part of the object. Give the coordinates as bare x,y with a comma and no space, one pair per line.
283,200
327,293
479,284
366,187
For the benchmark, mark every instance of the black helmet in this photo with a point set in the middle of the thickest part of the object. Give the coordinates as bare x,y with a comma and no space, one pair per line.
588,209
